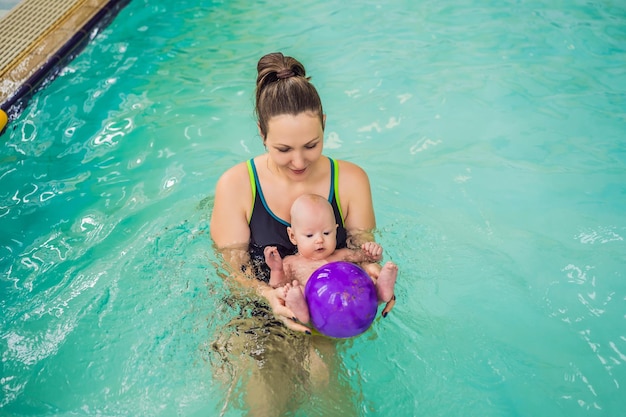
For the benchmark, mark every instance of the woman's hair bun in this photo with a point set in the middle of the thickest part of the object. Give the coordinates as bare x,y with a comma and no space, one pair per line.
276,66
282,87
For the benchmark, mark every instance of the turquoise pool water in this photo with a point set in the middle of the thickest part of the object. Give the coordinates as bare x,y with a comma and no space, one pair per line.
7,5
493,133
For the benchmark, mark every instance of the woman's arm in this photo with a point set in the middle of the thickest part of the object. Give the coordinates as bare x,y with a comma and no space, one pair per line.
231,234
356,203
369,252
231,209
358,209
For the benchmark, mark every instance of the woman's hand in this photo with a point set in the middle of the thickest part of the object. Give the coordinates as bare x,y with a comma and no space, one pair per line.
238,256
389,306
276,300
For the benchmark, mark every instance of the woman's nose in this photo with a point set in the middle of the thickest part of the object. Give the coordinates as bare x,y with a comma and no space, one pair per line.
298,160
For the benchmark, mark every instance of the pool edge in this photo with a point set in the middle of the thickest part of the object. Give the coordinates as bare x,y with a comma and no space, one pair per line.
55,44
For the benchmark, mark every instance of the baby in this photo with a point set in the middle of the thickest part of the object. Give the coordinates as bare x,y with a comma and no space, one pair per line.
314,231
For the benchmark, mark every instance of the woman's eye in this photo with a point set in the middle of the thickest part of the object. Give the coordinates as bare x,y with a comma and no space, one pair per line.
311,146
283,150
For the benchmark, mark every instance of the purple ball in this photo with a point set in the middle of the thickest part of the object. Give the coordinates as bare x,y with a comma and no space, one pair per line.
342,299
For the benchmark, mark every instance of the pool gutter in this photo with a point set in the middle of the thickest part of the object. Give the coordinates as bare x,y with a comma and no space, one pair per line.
38,38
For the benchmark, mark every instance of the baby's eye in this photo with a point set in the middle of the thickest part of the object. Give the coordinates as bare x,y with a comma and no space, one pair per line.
326,233
309,235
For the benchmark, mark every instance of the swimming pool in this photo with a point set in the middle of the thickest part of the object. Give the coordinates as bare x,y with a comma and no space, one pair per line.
493,137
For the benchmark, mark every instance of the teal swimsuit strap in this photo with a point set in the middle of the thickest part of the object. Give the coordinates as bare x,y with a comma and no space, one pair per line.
256,187
253,181
334,185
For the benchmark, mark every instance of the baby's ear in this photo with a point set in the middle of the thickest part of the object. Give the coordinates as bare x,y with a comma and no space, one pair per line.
292,236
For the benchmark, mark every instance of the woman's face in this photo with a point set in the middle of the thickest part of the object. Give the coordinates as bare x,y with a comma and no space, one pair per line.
294,143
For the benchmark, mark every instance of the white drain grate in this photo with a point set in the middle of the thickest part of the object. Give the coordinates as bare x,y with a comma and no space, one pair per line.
26,23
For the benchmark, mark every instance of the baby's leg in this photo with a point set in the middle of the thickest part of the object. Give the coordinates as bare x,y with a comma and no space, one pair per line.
386,281
294,299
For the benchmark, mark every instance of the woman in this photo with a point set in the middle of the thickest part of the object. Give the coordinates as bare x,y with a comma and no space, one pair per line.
253,198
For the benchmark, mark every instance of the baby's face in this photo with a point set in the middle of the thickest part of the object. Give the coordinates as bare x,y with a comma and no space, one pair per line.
315,234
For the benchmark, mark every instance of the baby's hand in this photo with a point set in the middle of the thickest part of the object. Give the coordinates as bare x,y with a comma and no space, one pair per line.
272,258
373,250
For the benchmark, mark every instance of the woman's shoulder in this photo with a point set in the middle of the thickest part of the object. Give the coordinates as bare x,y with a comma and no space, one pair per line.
232,195
235,175
351,171
233,187
355,195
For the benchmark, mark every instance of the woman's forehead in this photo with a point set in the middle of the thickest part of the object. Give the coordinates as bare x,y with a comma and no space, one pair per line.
288,128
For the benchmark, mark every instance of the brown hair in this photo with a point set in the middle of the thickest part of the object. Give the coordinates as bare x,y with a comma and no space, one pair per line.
282,87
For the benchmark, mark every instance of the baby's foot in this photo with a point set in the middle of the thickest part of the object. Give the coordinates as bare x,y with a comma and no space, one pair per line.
386,281
294,299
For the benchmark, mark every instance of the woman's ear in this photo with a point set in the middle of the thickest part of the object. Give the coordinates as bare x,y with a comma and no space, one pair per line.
323,121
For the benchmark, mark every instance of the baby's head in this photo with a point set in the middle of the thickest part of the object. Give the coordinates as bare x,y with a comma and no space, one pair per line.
313,227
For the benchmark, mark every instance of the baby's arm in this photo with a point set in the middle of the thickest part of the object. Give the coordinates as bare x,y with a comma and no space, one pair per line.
273,260
373,250
369,252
